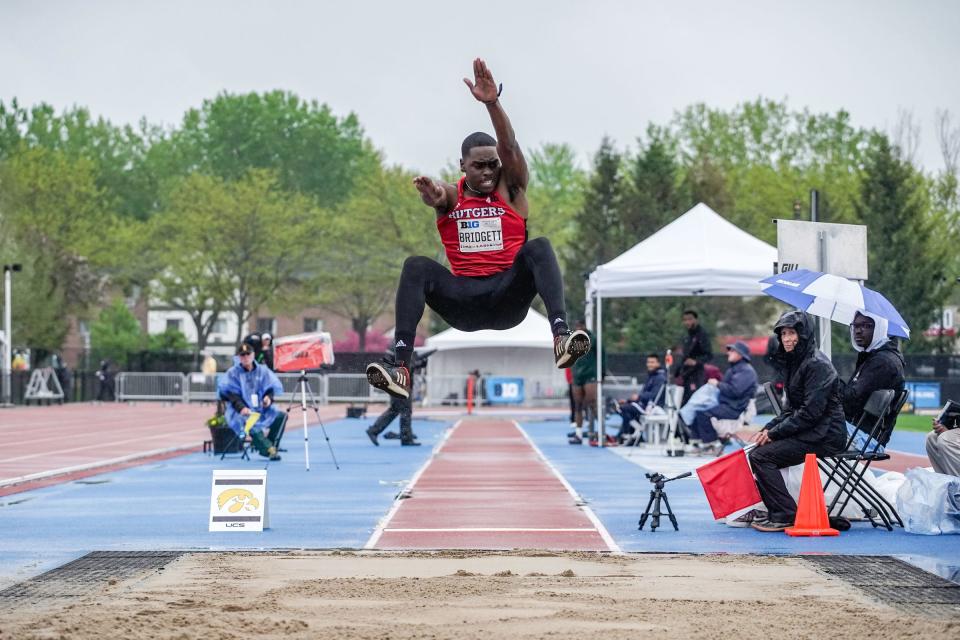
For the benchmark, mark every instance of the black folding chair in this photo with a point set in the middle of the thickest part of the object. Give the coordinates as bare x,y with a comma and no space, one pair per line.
849,467
239,445
773,397
275,435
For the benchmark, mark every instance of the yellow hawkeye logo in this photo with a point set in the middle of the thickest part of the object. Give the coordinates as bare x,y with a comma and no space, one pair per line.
238,499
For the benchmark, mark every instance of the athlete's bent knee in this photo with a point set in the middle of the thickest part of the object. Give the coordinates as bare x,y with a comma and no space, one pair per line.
416,266
538,249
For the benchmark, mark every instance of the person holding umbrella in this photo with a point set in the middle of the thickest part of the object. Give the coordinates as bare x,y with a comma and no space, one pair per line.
812,423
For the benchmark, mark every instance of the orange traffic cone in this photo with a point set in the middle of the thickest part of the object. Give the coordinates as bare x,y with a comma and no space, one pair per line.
812,518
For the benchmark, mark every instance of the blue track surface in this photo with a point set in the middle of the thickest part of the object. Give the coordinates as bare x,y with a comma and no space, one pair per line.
908,442
617,491
166,505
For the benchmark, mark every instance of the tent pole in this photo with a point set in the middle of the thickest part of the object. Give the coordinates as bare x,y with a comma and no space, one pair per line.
601,429
588,311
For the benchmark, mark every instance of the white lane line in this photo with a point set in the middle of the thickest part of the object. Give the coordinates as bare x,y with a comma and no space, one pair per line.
382,525
99,445
91,465
488,529
602,530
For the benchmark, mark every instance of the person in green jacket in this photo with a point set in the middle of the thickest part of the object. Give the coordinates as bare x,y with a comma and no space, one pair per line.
585,389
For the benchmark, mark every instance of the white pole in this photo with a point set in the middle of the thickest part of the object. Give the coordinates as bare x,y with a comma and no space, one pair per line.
588,311
826,324
7,334
303,413
601,430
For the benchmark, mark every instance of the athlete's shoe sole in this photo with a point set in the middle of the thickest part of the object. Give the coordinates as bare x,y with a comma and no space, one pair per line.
379,378
575,346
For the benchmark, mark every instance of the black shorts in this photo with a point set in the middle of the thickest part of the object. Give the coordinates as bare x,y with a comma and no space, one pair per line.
472,303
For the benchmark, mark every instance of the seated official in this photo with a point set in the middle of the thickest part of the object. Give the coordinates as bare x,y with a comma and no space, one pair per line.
943,448
735,391
812,421
248,388
651,395
879,366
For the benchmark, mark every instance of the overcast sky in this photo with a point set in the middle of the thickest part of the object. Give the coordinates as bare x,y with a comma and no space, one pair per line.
572,71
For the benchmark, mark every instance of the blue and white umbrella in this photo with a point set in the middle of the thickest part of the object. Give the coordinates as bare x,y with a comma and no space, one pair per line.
833,297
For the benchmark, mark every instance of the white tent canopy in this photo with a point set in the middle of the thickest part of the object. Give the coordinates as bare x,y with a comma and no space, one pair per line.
699,253
534,331
525,351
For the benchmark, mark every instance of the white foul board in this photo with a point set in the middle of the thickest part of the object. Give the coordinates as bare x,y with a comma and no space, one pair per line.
238,501
840,249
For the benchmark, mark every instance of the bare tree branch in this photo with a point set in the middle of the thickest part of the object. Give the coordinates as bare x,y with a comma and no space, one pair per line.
948,136
906,135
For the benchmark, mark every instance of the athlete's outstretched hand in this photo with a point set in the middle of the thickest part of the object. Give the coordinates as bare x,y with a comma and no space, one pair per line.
483,87
433,194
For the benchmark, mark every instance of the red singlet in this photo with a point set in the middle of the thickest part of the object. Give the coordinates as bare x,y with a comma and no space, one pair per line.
482,235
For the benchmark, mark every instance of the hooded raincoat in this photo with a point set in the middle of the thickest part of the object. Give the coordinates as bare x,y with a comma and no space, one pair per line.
879,366
814,411
247,389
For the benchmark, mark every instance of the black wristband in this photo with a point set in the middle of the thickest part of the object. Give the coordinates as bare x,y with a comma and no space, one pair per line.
499,91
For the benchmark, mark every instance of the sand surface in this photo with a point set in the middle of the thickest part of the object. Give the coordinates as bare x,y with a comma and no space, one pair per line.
467,595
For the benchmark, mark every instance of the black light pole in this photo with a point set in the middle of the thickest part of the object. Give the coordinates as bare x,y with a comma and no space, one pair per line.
8,270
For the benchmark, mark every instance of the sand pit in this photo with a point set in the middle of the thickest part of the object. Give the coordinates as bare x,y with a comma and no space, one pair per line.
465,595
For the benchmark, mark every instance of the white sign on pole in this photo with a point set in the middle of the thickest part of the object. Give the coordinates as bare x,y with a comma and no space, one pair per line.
238,501
840,249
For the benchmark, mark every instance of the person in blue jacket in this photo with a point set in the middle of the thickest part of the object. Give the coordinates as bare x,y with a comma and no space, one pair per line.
246,388
738,386
651,394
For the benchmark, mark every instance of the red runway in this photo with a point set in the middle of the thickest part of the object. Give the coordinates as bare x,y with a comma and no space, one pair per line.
47,445
488,487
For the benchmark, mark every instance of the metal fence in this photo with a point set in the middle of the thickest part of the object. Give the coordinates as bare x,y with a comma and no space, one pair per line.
352,387
199,387
170,387
316,387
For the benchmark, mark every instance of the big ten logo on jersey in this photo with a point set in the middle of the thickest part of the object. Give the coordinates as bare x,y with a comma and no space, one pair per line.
485,234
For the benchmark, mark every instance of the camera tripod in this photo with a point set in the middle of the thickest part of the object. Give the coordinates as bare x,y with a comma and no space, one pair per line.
656,495
305,391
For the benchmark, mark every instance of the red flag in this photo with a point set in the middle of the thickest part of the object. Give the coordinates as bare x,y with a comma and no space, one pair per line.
729,484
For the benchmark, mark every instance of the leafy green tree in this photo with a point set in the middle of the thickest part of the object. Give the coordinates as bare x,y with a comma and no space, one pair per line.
365,245
908,247
653,198
184,248
119,155
170,341
598,224
752,162
54,219
309,149
555,194
115,333
235,246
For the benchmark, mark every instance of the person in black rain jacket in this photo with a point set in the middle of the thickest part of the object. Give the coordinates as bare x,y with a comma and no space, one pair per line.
812,420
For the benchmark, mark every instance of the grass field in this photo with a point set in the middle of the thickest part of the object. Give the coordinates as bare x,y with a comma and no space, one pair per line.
910,422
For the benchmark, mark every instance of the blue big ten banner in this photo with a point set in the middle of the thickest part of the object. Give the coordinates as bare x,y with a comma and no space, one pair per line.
503,390
923,395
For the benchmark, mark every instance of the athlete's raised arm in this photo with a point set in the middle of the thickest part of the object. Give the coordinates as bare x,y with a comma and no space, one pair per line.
484,89
439,195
